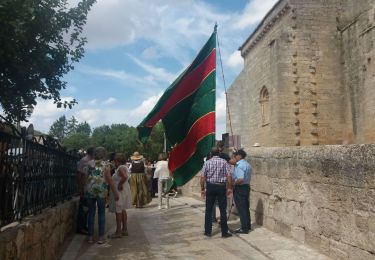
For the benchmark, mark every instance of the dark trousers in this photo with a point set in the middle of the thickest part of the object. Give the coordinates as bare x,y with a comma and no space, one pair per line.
154,186
241,195
219,193
82,215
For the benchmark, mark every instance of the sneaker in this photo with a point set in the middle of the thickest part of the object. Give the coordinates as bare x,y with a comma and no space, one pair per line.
207,234
225,235
90,240
241,231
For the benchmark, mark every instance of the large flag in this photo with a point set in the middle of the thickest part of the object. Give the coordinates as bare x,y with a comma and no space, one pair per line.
187,110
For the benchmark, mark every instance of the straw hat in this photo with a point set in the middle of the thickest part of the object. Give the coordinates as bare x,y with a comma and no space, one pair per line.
136,156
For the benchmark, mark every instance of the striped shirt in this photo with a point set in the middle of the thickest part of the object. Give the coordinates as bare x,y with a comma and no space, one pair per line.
216,170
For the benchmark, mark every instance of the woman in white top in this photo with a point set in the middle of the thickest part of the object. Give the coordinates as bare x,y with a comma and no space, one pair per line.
121,181
162,172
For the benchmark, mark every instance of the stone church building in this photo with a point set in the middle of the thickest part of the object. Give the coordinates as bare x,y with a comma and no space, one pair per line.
308,76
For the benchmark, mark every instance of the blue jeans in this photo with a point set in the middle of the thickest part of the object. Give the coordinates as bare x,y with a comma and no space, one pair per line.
241,195
92,202
82,215
216,192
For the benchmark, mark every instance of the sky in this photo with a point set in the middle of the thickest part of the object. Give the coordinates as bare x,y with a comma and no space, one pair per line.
135,50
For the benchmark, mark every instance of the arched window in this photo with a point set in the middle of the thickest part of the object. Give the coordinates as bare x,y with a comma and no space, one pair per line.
265,106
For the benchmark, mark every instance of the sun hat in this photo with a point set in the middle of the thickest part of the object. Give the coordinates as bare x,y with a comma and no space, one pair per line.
136,156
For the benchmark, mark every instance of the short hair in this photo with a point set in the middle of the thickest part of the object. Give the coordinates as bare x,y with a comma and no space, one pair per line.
163,156
220,144
90,150
120,157
100,153
241,153
215,151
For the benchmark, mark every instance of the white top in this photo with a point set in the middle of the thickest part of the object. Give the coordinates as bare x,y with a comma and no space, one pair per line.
125,197
161,170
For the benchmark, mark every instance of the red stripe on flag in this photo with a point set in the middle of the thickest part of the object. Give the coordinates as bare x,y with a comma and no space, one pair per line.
186,87
200,129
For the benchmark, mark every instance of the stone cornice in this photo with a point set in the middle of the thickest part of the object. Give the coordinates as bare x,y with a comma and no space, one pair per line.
264,27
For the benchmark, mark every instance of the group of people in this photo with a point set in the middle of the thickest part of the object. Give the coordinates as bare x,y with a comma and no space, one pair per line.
127,186
220,179
94,182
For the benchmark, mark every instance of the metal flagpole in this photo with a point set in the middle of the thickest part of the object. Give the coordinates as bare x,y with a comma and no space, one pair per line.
227,103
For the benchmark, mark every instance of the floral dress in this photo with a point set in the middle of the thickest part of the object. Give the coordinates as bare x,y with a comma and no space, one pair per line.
96,186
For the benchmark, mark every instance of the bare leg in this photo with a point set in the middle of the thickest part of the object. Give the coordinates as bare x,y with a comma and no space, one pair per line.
160,190
118,222
124,223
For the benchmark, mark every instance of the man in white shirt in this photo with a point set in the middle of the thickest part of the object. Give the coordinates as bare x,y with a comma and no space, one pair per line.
162,173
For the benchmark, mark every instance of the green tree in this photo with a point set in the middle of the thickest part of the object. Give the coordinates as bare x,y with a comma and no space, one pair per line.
39,42
155,144
58,128
83,128
71,126
77,141
99,135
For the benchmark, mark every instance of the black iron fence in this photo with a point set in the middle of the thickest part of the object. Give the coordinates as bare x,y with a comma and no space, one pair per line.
34,174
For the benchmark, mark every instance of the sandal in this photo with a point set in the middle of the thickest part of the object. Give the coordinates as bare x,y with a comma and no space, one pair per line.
101,241
115,235
90,240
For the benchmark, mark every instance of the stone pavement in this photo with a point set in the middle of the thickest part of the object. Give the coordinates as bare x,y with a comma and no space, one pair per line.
177,233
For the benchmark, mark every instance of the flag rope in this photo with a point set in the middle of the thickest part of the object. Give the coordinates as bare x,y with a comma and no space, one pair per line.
225,87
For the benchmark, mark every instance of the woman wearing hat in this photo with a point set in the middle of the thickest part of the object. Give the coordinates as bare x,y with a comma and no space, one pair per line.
138,181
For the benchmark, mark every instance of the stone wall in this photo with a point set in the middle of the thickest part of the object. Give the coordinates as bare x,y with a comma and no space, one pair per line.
357,29
323,196
40,236
316,59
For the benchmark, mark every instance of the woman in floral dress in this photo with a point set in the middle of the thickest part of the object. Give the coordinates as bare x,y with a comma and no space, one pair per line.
121,181
96,191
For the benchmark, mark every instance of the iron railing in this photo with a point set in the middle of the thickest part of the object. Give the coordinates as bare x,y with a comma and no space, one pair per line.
34,174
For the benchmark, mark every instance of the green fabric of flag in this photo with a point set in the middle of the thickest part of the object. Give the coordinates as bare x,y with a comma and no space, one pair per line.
187,111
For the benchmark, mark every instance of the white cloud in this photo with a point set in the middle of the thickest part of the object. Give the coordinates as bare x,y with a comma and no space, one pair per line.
151,53
46,112
93,102
235,60
129,80
145,107
220,114
160,74
91,116
254,11
110,101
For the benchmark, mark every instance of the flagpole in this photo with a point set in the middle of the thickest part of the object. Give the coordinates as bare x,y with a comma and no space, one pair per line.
225,87
165,144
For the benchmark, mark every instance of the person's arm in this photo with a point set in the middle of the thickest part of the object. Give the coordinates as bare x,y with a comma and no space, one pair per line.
122,172
108,179
202,184
240,173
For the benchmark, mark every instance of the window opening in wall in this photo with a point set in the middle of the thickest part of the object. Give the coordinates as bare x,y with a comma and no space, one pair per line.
265,106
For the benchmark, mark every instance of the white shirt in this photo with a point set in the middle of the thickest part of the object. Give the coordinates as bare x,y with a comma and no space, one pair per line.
161,170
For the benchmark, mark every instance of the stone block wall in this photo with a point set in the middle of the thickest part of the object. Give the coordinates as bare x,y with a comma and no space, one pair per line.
357,29
40,236
323,196
316,59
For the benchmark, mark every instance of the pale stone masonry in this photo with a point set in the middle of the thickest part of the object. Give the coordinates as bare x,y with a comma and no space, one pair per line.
40,236
308,77
309,81
323,196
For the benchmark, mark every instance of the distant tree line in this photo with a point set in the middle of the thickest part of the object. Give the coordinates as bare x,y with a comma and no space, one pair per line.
74,135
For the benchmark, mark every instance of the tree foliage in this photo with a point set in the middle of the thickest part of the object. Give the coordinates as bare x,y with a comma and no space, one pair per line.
117,138
59,128
39,41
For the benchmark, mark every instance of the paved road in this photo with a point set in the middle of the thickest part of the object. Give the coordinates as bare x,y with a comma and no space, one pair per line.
177,233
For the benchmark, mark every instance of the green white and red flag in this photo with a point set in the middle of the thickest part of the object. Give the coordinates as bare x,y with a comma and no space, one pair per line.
187,111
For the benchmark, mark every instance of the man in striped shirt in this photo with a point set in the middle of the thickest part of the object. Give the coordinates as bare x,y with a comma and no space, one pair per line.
215,173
